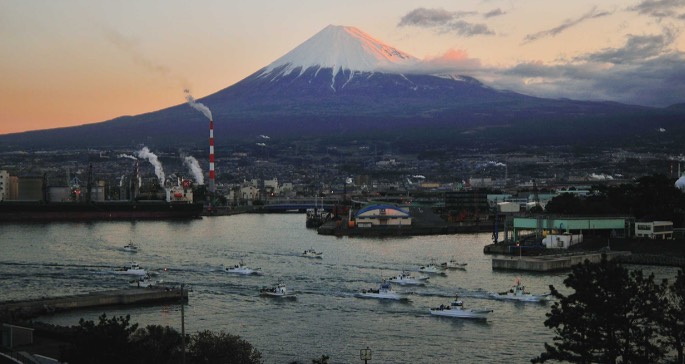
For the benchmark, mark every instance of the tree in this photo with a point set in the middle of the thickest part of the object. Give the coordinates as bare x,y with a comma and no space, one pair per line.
322,360
673,320
612,316
208,347
157,344
566,204
107,342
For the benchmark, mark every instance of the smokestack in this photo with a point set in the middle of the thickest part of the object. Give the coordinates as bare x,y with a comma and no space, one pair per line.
205,110
212,189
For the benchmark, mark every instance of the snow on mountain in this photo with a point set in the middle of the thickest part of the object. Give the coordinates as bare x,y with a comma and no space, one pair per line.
341,48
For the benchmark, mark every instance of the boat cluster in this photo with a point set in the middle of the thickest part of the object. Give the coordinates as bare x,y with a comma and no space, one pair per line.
455,308
142,278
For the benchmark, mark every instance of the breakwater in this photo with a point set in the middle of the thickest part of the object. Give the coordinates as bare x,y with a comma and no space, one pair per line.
48,305
547,263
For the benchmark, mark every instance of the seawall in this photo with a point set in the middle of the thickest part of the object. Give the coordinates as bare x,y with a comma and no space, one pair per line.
547,263
133,296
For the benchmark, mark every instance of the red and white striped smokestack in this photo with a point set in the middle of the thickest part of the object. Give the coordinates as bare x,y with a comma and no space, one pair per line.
212,189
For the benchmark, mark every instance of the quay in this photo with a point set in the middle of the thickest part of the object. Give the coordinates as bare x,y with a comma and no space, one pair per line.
547,263
120,297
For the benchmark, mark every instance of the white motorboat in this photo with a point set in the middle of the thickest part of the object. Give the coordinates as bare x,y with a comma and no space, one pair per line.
130,247
241,268
143,282
277,290
431,268
453,264
456,309
384,292
132,269
406,278
517,292
311,253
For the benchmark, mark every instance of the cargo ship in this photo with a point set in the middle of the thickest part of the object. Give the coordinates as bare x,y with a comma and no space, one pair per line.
70,204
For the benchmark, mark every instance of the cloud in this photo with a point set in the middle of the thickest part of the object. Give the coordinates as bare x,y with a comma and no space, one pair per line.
569,23
660,8
468,29
637,73
637,47
494,13
426,18
444,21
451,62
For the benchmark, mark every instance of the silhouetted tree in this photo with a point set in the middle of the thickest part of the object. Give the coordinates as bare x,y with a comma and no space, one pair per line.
107,342
208,347
565,204
673,320
612,316
322,360
157,344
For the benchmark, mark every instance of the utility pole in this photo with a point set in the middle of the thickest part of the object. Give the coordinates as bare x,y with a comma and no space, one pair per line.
183,328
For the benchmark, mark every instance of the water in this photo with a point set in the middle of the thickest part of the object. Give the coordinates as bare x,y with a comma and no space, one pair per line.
68,258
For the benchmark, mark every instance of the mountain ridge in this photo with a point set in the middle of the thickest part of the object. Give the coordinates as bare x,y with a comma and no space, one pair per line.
295,97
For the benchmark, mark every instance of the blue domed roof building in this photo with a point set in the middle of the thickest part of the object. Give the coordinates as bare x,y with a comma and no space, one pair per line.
382,215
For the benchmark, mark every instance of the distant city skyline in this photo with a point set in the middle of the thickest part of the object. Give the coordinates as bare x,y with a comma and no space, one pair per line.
74,62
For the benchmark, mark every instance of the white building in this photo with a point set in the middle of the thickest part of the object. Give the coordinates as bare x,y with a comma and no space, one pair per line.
654,230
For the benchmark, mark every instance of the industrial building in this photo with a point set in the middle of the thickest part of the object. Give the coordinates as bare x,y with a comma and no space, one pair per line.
382,215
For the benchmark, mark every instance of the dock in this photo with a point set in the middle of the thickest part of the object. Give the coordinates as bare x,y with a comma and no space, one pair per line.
548,263
120,297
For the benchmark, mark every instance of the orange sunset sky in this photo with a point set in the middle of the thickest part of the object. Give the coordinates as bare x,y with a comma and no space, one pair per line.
70,62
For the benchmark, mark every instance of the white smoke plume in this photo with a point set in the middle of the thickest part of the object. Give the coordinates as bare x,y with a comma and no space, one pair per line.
127,156
491,164
601,177
198,106
195,169
152,158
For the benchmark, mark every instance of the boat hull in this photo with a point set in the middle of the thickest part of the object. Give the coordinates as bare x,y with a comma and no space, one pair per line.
244,272
469,314
381,296
523,298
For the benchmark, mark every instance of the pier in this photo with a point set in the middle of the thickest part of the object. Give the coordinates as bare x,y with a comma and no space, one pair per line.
121,297
547,263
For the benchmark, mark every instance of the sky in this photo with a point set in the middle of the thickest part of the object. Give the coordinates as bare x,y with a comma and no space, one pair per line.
74,62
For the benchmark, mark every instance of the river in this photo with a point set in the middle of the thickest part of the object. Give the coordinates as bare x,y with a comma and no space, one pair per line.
326,318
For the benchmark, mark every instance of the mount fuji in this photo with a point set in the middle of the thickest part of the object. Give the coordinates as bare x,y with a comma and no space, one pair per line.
344,84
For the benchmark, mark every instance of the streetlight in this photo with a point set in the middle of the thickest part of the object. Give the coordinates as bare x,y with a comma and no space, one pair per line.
365,355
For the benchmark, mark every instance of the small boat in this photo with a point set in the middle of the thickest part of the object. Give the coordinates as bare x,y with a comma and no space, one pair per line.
517,292
277,290
456,309
432,268
130,247
311,253
241,268
133,269
143,282
453,264
409,279
384,292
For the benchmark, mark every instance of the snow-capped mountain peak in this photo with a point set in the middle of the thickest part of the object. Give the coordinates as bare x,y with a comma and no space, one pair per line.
342,48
